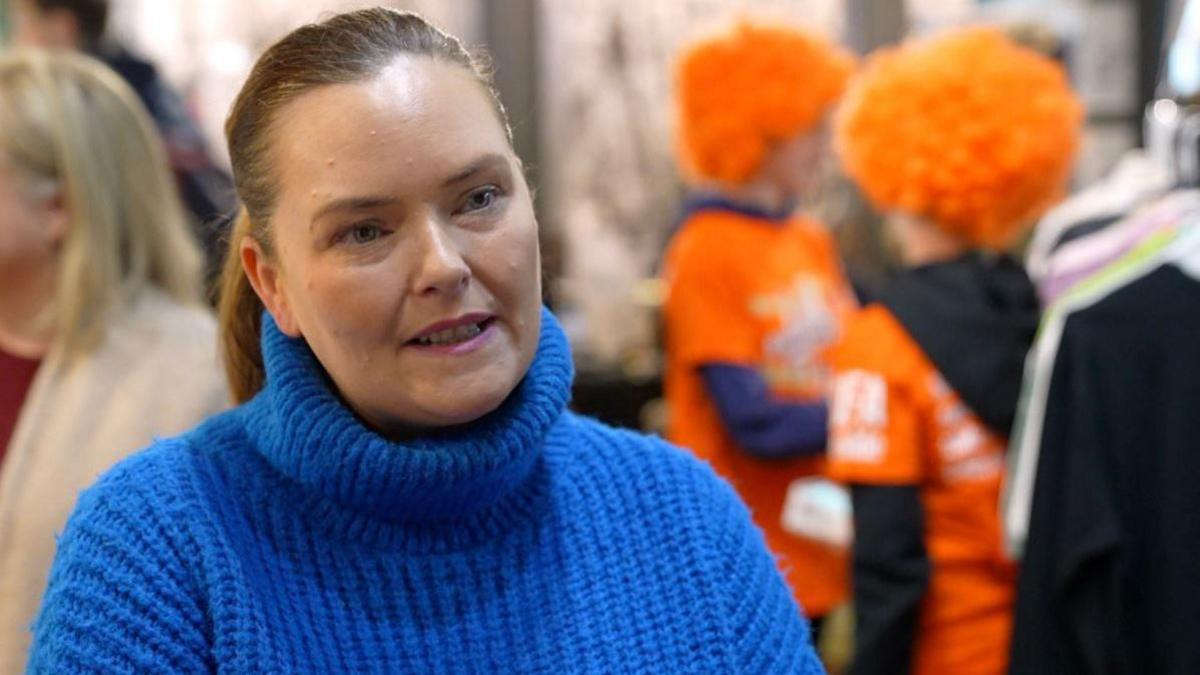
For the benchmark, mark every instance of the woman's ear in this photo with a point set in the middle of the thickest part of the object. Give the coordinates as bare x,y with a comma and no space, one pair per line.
267,281
60,28
57,217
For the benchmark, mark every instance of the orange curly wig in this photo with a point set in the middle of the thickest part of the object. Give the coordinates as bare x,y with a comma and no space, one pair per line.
743,91
965,129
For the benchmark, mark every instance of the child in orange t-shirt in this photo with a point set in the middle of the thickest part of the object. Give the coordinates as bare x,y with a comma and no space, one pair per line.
963,140
756,294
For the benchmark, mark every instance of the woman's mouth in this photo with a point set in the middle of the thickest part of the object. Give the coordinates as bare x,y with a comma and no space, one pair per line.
456,336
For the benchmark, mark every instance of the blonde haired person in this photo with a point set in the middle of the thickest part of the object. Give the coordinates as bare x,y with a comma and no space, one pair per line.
103,344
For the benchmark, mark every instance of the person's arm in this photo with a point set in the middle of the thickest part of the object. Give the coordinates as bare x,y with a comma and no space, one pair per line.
876,449
119,598
762,425
891,573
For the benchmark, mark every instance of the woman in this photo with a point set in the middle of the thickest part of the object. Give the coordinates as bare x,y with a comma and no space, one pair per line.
103,345
928,378
757,291
82,25
402,489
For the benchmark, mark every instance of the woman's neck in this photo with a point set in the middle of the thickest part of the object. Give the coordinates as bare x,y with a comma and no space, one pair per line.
26,323
761,195
464,480
921,242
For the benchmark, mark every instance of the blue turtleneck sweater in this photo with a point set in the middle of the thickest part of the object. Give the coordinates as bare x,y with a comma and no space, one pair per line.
286,537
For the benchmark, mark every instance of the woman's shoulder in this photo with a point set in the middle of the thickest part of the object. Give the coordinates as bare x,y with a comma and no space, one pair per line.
145,500
158,320
662,497
160,342
157,471
646,463
128,550
171,469
167,483
160,331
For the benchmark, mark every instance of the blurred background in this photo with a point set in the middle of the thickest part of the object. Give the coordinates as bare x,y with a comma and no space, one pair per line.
587,83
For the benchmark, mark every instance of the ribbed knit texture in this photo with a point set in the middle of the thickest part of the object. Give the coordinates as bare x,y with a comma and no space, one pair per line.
286,537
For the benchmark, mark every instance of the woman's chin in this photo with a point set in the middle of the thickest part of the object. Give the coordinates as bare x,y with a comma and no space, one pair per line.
466,415
460,410
462,400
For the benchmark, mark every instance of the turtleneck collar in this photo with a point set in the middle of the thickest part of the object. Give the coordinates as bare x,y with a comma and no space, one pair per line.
450,475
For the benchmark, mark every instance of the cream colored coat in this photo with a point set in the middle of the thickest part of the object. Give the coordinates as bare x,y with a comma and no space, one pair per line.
155,374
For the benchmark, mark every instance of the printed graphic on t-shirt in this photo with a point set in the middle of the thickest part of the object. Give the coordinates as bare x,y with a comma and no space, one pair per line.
791,355
966,451
859,415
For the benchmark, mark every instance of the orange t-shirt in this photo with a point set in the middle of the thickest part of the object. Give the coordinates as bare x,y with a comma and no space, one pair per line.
895,421
771,296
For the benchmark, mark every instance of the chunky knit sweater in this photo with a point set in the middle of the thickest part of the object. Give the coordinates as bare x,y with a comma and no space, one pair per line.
286,537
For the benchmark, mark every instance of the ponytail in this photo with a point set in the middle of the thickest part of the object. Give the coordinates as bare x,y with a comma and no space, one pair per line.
239,317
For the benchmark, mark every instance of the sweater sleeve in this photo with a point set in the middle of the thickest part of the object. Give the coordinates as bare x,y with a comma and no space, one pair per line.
766,630
763,426
120,598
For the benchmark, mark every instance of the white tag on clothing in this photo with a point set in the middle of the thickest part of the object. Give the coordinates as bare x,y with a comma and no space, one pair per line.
820,510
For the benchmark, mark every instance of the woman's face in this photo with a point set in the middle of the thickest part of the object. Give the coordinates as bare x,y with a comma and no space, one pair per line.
405,245
32,226
797,165
26,237
35,27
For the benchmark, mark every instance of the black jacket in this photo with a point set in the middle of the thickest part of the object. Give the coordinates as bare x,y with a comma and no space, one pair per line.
974,318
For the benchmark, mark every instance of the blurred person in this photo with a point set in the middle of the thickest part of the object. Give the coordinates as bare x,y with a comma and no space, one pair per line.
207,190
402,488
963,140
103,342
756,292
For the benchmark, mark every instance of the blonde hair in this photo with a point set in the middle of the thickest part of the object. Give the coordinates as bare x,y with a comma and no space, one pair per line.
69,123
344,48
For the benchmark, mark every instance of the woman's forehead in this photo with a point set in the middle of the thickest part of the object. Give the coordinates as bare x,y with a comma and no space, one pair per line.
417,114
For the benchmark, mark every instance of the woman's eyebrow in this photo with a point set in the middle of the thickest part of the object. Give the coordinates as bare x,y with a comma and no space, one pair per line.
353,204
488,161
362,202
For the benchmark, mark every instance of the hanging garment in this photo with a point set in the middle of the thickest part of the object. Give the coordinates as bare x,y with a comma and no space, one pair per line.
1147,256
1136,180
1084,256
1102,498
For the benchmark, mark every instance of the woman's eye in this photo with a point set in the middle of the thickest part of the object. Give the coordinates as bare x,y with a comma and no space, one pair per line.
363,233
480,199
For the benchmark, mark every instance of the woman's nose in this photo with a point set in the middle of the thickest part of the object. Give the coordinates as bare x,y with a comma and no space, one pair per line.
441,268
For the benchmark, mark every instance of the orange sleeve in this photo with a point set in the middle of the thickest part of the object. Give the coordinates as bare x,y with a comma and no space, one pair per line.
708,305
875,422
874,431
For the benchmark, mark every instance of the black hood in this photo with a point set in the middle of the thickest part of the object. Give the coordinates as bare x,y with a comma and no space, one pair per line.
975,318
